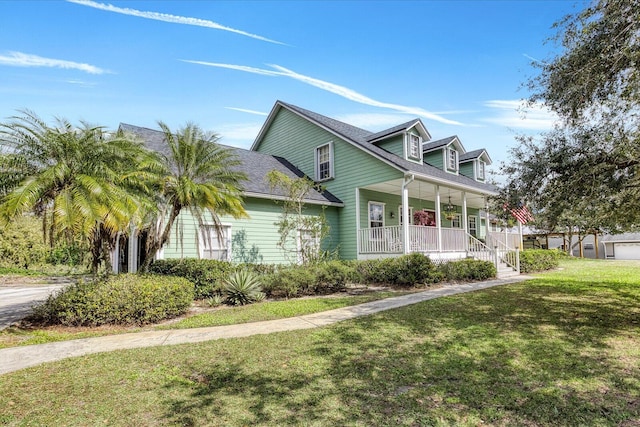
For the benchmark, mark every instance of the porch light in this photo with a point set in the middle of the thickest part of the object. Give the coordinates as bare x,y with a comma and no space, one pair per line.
449,210
392,215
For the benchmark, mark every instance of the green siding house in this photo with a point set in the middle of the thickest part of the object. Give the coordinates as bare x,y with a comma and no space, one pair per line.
384,194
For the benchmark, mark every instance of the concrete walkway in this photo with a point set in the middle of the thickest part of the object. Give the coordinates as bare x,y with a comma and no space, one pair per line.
13,359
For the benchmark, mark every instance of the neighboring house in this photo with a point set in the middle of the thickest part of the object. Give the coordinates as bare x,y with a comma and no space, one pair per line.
621,246
373,185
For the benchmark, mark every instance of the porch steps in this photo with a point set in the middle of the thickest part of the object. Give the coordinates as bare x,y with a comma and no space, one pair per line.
504,271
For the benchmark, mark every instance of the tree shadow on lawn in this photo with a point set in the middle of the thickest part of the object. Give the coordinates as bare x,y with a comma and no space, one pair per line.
517,355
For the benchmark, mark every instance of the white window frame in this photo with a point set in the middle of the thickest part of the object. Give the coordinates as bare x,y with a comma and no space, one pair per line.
375,232
213,237
329,145
400,216
456,222
413,141
482,170
455,159
312,241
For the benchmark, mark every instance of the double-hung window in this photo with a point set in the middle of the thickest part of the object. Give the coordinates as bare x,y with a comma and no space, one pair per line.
324,162
215,244
308,245
452,159
413,146
376,219
456,222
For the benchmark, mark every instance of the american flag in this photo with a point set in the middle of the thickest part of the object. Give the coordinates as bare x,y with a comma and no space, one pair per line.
521,213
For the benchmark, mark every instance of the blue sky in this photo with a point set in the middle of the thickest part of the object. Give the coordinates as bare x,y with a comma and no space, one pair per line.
458,65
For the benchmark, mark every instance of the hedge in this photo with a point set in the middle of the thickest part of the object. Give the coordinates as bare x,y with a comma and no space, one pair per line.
467,270
126,299
539,260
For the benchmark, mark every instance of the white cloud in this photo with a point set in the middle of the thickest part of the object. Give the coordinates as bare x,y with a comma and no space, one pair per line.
517,114
333,88
244,110
19,59
165,17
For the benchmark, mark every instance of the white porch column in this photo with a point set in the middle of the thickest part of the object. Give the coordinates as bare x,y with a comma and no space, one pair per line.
438,220
464,213
405,213
133,251
115,256
357,221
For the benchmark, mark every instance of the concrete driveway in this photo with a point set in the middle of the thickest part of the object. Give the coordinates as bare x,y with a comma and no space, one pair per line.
18,295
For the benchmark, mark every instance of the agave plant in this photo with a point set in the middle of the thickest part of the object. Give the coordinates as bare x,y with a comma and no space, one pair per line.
243,287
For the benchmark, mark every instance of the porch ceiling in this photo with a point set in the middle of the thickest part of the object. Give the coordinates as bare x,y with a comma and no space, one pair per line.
427,191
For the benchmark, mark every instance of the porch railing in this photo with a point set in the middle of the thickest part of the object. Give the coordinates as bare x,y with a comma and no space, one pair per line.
510,240
421,238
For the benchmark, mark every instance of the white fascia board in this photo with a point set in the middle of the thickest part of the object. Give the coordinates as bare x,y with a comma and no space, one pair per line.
455,185
283,198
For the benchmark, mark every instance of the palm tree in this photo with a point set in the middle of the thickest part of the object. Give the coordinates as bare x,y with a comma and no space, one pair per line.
200,177
83,182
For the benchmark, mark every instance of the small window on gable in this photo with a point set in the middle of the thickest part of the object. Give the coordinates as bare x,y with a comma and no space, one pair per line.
413,146
324,162
452,159
481,169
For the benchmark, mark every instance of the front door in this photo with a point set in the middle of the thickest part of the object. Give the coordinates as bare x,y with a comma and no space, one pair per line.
473,225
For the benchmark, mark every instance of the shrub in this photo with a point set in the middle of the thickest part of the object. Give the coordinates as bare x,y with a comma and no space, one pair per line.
21,243
243,287
206,274
127,299
331,276
289,282
467,269
538,260
406,270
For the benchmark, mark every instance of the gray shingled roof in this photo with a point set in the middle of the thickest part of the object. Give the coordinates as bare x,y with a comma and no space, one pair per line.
624,237
255,165
391,131
360,137
438,143
474,155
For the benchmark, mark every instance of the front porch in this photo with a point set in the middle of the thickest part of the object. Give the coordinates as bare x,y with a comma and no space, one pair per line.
442,222
424,239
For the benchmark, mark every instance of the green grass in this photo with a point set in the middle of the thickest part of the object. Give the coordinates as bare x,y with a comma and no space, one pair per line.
15,336
272,310
560,350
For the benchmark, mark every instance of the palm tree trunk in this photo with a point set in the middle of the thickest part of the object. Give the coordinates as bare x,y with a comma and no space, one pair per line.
155,242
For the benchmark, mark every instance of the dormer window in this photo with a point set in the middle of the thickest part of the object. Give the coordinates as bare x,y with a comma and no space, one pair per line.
324,162
452,159
481,168
414,146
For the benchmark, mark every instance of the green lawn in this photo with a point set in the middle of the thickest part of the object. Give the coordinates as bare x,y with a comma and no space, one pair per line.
563,349
271,310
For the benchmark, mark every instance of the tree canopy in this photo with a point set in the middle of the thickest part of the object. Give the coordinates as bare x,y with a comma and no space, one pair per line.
198,176
585,172
81,181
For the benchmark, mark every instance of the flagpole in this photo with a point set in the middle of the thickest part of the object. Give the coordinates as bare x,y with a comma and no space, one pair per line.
520,229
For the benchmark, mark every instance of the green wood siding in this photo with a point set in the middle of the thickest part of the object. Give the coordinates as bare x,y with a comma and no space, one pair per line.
466,169
252,240
294,138
434,158
393,145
